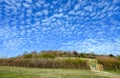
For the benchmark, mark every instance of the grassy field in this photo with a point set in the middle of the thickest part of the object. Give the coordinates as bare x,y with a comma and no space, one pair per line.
114,71
21,72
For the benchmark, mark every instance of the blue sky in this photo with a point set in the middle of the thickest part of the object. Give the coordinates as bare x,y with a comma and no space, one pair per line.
82,25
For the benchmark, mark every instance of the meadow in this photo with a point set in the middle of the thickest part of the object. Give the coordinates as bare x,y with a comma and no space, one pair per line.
23,72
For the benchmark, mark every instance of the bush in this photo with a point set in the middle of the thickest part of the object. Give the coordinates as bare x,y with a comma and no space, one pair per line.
110,63
47,55
46,63
76,63
27,55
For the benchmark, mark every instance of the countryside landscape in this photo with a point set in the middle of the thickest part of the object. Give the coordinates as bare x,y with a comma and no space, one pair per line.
60,64
59,38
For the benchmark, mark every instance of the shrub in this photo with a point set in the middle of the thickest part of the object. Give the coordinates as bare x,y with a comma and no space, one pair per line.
111,63
47,55
27,55
76,63
46,63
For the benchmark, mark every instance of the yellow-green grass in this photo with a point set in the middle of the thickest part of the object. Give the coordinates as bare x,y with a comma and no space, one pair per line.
22,72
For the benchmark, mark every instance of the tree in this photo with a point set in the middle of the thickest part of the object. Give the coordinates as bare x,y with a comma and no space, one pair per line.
111,55
75,53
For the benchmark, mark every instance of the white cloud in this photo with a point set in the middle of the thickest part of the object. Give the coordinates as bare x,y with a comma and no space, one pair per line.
26,5
45,12
39,3
77,7
72,28
82,13
39,13
116,1
58,15
29,11
111,8
93,45
29,1
18,5
68,4
89,8
60,10
72,12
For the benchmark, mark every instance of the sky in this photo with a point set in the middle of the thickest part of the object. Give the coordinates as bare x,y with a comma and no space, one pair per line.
81,25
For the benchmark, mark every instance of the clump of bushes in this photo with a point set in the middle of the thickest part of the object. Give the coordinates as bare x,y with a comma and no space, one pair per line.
76,63
46,63
109,63
47,55
28,55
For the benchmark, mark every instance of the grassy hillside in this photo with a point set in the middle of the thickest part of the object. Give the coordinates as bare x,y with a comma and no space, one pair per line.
21,72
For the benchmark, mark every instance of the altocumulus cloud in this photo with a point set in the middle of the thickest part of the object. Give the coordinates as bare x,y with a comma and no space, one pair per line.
94,45
87,25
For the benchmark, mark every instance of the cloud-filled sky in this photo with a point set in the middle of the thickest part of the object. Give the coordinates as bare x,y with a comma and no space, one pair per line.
82,25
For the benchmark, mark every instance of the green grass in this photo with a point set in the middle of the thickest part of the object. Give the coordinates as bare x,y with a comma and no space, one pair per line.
21,72
114,71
